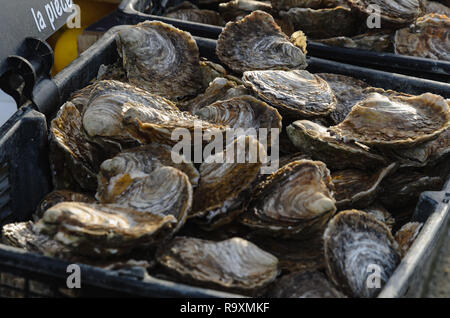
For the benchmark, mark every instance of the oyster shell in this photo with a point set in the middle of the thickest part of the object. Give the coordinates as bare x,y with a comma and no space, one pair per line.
313,4
378,42
74,161
257,43
396,120
81,97
239,8
356,245
315,140
406,236
381,214
428,37
233,264
195,15
437,8
117,173
103,230
244,112
59,196
357,188
211,71
348,92
296,93
308,284
295,201
113,71
161,59
392,12
220,195
322,23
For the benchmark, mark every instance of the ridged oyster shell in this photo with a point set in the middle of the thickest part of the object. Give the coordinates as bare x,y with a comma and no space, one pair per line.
428,37
356,245
315,140
378,42
406,236
257,43
437,8
195,14
295,201
296,93
59,196
396,120
161,59
103,230
381,214
233,264
235,9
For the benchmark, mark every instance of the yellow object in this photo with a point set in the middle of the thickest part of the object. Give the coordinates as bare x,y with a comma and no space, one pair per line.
92,11
66,48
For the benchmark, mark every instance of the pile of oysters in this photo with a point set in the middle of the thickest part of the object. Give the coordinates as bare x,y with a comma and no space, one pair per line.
408,27
353,160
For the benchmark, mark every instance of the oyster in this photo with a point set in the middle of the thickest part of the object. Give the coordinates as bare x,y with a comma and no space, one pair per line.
406,236
73,160
381,214
348,92
81,97
295,201
307,284
313,4
257,43
113,71
392,12
356,245
194,14
428,37
59,196
315,140
244,112
233,264
378,42
322,23
211,71
437,8
103,230
357,188
296,93
239,8
117,173
161,59
396,120
221,192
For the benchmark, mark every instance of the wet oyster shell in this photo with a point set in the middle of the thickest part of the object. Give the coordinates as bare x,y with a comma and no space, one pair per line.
233,264
257,43
296,93
103,230
308,284
295,201
161,59
74,161
220,195
315,140
211,71
59,196
322,23
396,120
381,214
378,42
357,188
196,15
428,37
239,8
356,245
406,236
392,12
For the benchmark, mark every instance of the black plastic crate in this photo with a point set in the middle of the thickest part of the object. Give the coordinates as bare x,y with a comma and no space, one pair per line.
23,147
131,12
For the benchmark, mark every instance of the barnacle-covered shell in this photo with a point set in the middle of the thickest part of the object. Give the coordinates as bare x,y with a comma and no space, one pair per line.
406,236
428,37
396,120
223,183
315,140
381,214
257,43
103,230
392,12
348,92
295,201
117,173
358,188
297,93
378,42
307,284
73,160
59,196
244,112
196,15
322,23
437,8
234,264
357,245
161,59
